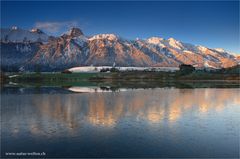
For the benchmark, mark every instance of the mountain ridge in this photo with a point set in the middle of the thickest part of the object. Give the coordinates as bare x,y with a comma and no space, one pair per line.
74,49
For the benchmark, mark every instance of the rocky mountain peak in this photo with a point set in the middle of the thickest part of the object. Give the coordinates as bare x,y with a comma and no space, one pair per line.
172,39
110,37
175,43
15,34
36,30
14,28
202,48
220,49
154,40
75,32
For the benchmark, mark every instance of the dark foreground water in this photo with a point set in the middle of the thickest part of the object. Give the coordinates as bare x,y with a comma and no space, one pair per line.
161,122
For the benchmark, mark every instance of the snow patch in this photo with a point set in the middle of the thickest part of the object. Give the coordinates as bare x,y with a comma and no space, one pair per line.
99,68
207,65
80,40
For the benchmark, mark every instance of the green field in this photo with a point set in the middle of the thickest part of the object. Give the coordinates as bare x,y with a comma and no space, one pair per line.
129,79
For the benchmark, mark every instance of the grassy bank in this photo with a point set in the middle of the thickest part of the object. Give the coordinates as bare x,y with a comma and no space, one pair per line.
130,79
186,74
121,76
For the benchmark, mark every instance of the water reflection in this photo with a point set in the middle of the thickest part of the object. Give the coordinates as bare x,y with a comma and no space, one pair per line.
106,109
69,115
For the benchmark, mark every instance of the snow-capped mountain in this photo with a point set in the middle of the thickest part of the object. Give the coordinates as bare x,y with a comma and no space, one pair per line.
20,35
22,49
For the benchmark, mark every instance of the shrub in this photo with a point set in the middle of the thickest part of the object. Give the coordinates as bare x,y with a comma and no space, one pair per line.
113,69
67,72
186,69
104,70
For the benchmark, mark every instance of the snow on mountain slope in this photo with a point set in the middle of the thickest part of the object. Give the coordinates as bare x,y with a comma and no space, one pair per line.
175,44
171,42
104,36
20,35
220,49
154,40
16,55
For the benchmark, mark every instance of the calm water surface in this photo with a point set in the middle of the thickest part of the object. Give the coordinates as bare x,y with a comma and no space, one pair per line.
161,122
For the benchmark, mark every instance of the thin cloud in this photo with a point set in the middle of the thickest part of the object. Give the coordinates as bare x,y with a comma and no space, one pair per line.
55,27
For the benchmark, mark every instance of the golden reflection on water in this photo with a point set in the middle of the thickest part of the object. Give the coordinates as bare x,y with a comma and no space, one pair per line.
70,111
154,105
154,115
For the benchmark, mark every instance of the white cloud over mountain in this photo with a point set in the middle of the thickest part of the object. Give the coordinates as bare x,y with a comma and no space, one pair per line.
54,26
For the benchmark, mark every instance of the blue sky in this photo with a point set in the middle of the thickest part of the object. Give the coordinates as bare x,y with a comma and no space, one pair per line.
214,24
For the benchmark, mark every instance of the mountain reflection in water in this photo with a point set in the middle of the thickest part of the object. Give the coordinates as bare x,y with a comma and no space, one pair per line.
69,115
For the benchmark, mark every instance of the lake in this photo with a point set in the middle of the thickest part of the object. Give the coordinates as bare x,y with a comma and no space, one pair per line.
95,122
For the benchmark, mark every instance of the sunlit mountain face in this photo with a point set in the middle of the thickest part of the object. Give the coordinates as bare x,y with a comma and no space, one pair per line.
25,50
